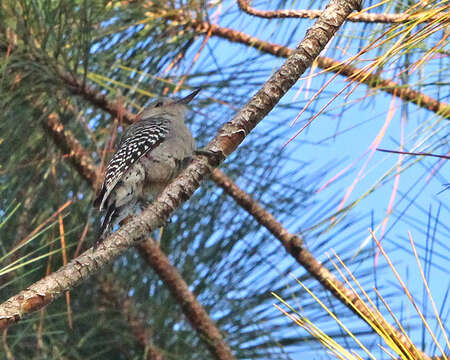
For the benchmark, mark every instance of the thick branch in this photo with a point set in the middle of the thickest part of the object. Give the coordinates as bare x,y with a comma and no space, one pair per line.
230,136
294,246
192,309
313,14
329,64
115,296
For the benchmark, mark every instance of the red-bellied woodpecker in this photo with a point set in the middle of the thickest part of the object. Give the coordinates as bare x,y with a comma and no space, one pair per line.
152,152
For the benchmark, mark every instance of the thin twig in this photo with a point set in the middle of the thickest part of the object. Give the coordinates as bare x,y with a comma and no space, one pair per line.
313,14
414,153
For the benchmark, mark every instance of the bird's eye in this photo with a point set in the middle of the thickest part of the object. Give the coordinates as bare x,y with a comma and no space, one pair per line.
159,104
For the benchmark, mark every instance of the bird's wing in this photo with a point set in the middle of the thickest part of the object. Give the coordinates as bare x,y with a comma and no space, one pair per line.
136,142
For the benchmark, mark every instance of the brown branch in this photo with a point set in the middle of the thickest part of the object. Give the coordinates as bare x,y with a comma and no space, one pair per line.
313,14
294,246
226,141
115,296
350,71
329,64
77,87
192,309
323,62
71,148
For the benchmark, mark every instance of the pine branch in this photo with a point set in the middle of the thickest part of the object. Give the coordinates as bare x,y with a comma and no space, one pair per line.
69,145
225,142
294,246
352,72
78,87
292,243
198,317
313,14
114,295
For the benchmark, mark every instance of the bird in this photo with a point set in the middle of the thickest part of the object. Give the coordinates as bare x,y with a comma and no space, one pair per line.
151,152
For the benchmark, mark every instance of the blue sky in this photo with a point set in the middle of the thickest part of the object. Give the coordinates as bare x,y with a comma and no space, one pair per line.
420,206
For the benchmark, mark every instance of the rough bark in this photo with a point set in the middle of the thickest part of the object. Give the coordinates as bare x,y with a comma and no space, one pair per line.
228,139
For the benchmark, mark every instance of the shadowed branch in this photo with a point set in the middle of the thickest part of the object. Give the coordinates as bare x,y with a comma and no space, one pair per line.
226,141
115,297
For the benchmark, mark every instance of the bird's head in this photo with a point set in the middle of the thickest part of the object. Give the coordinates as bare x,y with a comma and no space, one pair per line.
166,105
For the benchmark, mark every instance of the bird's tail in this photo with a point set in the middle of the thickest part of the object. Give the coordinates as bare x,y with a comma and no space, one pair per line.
107,225
98,200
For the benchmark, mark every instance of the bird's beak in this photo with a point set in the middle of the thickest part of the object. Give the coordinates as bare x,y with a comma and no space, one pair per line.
187,99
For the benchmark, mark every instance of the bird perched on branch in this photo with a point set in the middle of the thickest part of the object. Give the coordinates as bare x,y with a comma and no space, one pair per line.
151,152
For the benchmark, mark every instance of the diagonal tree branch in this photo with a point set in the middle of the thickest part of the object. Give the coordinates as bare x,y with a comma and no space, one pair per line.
115,296
313,14
326,63
351,72
226,141
78,87
196,314
294,246
77,155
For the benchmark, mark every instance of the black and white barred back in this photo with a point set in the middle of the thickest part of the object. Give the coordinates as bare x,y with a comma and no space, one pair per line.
138,139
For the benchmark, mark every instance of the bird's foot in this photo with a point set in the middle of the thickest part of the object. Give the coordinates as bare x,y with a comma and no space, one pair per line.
204,151
215,157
